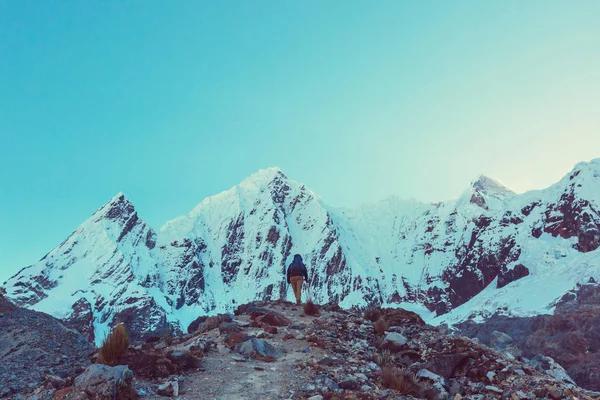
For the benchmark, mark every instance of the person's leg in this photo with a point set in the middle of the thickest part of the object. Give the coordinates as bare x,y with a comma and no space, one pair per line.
294,281
299,297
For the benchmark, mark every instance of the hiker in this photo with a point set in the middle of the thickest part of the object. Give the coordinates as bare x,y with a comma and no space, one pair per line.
296,274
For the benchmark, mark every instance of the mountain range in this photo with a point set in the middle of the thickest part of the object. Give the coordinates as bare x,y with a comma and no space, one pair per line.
490,251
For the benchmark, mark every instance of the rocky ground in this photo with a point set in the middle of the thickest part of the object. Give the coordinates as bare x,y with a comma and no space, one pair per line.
274,350
571,335
34,348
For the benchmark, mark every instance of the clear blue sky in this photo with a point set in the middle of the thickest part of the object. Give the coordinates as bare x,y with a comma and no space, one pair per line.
171,102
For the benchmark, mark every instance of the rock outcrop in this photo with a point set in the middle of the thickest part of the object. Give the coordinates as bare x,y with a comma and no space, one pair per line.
336,354
36,348
570,336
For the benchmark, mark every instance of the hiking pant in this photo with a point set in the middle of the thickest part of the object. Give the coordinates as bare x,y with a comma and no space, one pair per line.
296,282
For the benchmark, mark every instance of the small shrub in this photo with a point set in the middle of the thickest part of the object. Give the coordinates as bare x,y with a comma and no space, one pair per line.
381,326
403,381
396,378
310,308
114,346
382,359
373,314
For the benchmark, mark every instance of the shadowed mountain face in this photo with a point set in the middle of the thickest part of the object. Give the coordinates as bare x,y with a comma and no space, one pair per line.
34,345
571,336
490,249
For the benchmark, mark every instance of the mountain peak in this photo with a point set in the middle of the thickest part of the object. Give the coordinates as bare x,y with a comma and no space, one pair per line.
263,177
116,208
485,184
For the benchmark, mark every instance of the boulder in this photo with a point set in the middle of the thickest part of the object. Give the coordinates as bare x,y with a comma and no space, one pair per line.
184,360
100,382
168,389
274,319
259,349
393,342
228,327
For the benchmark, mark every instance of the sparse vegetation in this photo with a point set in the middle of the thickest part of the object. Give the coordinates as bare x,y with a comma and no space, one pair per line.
397,378
311,308
382,359
401,379
373,314
114,346
381,326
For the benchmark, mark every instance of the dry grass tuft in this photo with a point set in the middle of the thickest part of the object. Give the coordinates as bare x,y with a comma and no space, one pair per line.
382,359
114,346
311,308
381,326
402,380
373,314
398,379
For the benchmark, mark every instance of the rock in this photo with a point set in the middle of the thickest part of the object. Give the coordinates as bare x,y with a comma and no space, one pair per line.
169,389
274,319
551,367
553,393
243,324
209,324
361,376
34,345
55,382
251,308
193,327
309,388
504,343
233,339
328,361
299,327
494,389
349,384
259,349
228,327
184,360
328,383
446,364
271,330
393,342
316,397
104,382
149,364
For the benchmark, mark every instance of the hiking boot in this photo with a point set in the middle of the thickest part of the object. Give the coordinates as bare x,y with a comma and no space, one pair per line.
298,302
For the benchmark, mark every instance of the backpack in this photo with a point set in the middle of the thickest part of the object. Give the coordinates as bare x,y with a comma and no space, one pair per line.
296,269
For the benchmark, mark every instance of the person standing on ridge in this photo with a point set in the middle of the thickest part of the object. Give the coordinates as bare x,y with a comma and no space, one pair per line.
296,274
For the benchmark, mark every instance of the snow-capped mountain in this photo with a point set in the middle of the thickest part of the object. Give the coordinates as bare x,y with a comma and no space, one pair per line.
489,250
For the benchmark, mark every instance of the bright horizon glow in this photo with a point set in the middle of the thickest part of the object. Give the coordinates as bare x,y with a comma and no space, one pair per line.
173,103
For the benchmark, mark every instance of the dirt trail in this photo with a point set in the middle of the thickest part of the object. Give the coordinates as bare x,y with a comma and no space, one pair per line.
226,377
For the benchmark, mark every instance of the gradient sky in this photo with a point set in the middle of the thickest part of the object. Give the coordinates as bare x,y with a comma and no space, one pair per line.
170,102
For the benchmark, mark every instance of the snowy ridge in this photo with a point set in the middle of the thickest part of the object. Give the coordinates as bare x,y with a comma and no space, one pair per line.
489,250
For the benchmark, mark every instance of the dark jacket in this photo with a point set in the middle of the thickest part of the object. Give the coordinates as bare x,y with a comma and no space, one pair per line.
297,264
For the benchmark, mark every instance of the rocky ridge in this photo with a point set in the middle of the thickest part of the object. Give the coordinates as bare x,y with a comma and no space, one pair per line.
37,348
570,336
273,350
